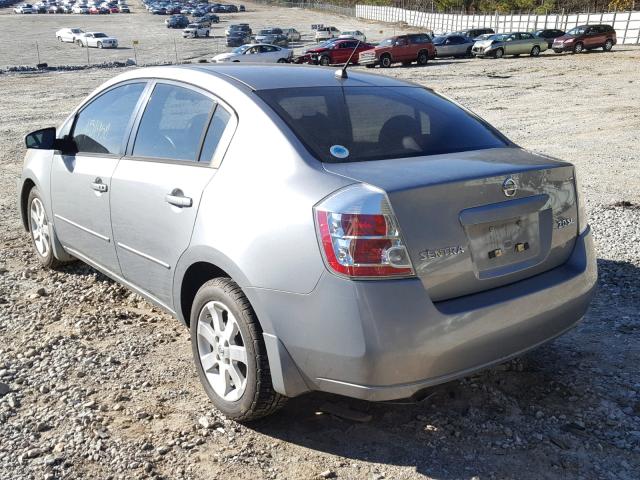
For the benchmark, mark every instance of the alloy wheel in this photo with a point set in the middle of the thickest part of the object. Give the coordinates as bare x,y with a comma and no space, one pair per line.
40,227
222,351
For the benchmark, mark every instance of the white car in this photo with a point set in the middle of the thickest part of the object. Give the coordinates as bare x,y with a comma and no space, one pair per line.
357,34
69,34
97,39
326,33
80,9
195,30
25,8
256,53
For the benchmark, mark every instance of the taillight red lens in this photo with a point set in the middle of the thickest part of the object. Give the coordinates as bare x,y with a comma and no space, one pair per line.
363,225
369,251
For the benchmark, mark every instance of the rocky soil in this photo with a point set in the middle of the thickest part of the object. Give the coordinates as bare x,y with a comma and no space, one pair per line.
96,383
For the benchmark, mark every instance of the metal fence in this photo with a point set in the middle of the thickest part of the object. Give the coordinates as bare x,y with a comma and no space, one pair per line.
626,24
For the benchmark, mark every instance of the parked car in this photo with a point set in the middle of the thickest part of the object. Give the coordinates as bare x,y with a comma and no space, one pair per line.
256,53
55,9
209,18
292,34
238,27
124,9
195,30
405,49
586,37
474,33
453,46
398,241
515,43
39,8
24,8
81,9
97,39
69,34
177,21
272,36
337,52
237,38
325,33
549,35
241,8
357,34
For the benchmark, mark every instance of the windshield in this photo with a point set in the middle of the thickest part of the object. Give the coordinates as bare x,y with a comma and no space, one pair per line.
241,49
350,124
496,37
574,32
386,43
439,40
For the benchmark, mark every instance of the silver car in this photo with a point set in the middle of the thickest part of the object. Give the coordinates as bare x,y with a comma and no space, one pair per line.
516,43
452,46
362,236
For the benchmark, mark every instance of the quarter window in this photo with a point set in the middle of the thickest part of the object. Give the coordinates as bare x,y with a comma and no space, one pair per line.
100,126
217,126
173,124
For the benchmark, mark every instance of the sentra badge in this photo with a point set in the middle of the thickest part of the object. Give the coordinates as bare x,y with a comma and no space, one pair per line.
430,254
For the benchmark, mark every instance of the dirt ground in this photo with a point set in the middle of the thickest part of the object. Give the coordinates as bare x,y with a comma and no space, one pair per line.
101,384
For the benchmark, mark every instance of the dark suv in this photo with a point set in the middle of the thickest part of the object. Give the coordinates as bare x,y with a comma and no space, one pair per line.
586,37
474,32
549,35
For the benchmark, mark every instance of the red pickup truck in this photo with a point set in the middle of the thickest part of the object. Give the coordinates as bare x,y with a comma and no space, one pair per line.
405,49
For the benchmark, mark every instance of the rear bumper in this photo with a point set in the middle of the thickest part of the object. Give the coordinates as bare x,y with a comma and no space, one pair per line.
384,340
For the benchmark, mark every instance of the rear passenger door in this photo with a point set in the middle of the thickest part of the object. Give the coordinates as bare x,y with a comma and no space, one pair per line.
178,142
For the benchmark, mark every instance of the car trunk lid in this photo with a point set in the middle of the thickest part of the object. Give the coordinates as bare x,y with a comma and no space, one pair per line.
479,219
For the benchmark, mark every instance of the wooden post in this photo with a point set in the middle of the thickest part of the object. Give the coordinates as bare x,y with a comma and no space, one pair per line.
626,27
38,53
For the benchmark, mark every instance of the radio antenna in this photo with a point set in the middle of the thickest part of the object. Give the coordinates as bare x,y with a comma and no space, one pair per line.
342,73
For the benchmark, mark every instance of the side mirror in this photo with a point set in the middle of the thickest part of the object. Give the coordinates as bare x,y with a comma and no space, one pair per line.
44,139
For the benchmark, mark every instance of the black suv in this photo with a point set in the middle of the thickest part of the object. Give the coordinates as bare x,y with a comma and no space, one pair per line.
549,35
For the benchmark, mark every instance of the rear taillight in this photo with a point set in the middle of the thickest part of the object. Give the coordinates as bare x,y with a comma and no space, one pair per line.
359,234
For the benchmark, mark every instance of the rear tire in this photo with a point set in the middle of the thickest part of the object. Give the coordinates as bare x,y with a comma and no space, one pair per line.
385,61
535,51
578,48
60,39
608,45
41,230
423,58
227,337
282,60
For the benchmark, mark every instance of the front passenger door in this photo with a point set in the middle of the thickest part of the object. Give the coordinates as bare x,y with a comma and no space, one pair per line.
158,185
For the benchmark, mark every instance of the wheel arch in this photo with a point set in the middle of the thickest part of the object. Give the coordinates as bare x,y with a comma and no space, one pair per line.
26,187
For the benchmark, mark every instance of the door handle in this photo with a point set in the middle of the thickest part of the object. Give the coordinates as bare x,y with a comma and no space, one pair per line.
98,186
177,198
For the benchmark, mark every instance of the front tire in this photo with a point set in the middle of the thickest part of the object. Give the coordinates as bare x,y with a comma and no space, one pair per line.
230,354
325,61
282,60
99,44
535,51
578,48
499,53
41,230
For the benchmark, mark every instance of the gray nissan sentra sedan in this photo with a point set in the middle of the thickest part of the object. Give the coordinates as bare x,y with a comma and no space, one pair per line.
362,236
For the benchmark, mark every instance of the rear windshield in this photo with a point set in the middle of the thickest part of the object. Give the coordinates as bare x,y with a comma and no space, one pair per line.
351,124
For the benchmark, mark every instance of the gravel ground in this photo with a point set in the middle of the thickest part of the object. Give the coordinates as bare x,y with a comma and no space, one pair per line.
96,383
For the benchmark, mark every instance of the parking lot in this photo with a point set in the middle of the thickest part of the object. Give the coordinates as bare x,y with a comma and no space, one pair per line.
102,384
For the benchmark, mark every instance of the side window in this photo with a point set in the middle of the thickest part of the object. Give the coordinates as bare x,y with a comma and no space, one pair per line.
218,123
526,36
173,123
100,127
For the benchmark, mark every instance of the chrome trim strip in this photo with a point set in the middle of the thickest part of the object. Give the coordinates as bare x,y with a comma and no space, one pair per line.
84,229
144,255
119,279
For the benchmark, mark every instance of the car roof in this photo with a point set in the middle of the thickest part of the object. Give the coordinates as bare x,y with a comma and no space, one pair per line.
267,77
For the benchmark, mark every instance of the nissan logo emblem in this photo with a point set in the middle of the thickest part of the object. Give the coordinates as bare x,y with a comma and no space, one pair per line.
509,187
